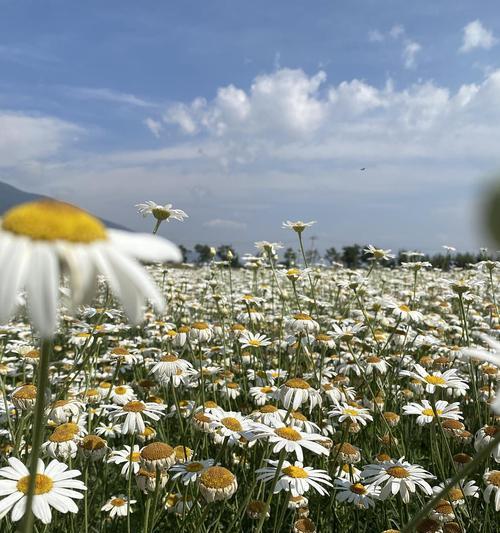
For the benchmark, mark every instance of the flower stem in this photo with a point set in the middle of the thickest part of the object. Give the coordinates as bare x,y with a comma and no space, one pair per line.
37,433
461,474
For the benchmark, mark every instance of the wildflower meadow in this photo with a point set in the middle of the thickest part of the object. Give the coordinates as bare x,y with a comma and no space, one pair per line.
141,393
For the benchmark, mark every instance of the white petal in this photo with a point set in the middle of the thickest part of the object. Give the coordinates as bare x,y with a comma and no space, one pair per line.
145,247
42,288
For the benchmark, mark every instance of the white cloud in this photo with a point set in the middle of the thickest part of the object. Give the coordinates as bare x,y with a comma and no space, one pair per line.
107,95
398,33
375,36
25,139
477,36
222,223
154,126
410,52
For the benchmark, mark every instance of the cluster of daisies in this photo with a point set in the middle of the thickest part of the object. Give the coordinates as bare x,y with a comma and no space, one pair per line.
269,398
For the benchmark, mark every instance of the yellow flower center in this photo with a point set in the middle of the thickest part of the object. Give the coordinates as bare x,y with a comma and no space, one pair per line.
169,358
160,213
295,471
232,423
404,308
297,383
494,478
121,390
134,407
398,471
119,351
27,392
156,451
62,435
301,316
430,412
268,409
435,380
254,342
93,442
183,453
49,220
194,467
43,484
358,488
217,477
455,494
118,502
351,412
200,325
288,434
135,457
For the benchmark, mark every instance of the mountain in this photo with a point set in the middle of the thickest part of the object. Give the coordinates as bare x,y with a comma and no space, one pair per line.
10,196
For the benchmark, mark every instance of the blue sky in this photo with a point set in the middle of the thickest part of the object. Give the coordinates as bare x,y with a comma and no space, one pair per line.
245,114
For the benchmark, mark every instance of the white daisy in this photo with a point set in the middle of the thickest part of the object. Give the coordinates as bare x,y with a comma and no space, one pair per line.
443,380
362,496
133,412
295,478
397,477
426,414
118,506
40,240
54,487
190,471
291,440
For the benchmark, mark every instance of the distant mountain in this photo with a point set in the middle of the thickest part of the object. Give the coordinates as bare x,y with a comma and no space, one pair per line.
10,196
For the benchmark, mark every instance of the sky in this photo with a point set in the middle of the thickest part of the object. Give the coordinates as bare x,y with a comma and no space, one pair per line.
245,114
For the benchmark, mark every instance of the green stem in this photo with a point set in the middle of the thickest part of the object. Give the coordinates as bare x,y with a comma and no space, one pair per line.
37,434
461,474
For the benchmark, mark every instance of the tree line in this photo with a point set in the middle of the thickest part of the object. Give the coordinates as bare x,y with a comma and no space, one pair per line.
351,256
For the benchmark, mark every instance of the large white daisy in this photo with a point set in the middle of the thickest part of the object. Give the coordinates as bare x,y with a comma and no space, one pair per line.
41,240
54,487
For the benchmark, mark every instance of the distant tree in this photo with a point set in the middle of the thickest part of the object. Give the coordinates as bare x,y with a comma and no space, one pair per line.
185,253
226,252
289,257
312,256
203,251
331,255
351,255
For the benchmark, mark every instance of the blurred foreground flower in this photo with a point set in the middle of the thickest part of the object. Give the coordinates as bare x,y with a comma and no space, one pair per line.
41,240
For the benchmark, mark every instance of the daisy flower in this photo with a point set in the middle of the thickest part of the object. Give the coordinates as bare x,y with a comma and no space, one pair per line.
118,506
378,254
492,480
296,391
483,437
361,496
425,412
127,457
133,412
291,440
217,483
161,212
55,487
253,340
441,380
457,494
43,239
295,478
492,357
169,365
355,414
397,477
297,226
230,425
190,471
